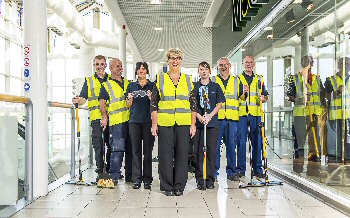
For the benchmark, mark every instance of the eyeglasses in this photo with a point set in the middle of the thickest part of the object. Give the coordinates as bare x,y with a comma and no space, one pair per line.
100,64
139,93
175,58
222,65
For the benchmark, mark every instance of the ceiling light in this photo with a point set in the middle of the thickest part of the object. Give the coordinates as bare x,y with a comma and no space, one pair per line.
307,5
158,28
155,2
243,49
161,49
270,36
290,16
268,28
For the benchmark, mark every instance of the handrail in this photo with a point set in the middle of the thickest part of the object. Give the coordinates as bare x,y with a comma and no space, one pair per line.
28,141
14,98
63,105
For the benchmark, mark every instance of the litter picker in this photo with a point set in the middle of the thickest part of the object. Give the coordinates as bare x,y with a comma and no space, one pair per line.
205,102
81,180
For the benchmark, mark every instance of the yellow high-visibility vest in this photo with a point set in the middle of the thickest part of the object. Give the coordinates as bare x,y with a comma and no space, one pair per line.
117,110
335,110
94,87
252,102
230,108
300,109
174,105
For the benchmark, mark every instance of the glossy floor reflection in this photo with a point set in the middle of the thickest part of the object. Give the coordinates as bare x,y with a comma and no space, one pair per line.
226,200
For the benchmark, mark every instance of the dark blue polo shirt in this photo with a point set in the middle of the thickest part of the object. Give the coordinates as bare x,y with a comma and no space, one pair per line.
140,109
215,96
84,90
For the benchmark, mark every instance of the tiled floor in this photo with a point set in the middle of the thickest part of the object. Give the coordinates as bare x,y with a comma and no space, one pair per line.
226,200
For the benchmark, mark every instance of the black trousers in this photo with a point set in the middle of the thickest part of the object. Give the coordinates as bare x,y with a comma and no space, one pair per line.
97,144
212,137
173,144
140,133
128,158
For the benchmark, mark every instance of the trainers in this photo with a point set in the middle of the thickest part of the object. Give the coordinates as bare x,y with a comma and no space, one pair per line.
240,175
210,186
233,178
147,185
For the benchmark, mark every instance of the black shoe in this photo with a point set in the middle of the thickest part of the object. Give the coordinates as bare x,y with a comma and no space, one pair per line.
200,187
178,192
147,185
240,175
234,178
115,181
136,185
121,177
169,193
210,186
260,175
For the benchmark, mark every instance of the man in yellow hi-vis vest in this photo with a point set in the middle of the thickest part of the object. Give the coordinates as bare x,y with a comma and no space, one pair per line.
113,94
228,117
334,88
250,116
90,92
307,93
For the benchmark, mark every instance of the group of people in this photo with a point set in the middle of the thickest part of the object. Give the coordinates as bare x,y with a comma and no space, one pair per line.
319,113
126,116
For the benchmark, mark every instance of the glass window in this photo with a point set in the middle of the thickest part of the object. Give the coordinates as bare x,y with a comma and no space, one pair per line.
16,87
105,21
2,55
58,72
58,94
15,55
2,83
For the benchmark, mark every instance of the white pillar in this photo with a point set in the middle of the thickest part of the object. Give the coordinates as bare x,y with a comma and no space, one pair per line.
304,40
122,47
35,54
297,59
269,82
86,57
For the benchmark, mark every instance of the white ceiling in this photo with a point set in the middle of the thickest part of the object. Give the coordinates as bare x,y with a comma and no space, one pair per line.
182,23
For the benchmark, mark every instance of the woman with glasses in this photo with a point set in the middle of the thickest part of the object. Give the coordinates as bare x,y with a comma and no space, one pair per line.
138,100
174,121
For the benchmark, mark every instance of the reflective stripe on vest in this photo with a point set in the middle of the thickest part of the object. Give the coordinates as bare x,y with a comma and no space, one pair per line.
230,107
174,105
117,109
252,101
335,108
94,87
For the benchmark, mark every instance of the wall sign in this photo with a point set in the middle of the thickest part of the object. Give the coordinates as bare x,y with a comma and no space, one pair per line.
26,73
243,11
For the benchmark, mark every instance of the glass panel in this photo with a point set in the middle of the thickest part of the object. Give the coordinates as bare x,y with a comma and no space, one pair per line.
16,87
2,55
2,84
12,161
15,55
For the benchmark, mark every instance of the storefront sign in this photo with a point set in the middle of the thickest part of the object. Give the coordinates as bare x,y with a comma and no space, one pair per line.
243,11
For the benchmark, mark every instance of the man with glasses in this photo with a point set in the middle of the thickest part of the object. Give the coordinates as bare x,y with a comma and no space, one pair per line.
90,92
228,119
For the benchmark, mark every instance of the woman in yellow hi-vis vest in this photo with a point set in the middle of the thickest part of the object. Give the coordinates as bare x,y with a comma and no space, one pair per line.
174,121
90,91
113,94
